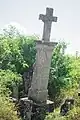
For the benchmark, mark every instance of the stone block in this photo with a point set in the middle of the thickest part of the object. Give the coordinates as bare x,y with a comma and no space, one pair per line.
35,111
38,96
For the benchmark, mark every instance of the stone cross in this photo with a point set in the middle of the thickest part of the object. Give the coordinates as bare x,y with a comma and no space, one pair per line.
47,19
38,90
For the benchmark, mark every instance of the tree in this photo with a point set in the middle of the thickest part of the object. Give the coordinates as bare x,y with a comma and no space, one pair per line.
59,72
12,30
17,54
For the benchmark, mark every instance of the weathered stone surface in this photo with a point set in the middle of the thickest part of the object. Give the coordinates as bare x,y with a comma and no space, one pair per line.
67,106
27,78
25,108
38,91
47,19
35,111
15,91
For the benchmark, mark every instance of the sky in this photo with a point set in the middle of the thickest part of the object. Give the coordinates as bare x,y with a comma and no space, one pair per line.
26,14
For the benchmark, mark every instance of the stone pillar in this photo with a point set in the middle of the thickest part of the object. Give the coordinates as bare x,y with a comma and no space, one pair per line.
38,91
26,82
15,91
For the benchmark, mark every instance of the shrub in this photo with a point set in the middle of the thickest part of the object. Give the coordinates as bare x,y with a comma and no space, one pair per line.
74,114
7,110
7,78
17,54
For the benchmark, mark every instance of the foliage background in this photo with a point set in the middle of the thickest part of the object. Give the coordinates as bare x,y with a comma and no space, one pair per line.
17,54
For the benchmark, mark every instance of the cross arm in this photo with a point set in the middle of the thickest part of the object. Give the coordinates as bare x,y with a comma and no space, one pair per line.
54,19
47,18
42,17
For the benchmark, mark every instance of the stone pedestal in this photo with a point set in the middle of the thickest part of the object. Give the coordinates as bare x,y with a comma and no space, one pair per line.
35,111
38,91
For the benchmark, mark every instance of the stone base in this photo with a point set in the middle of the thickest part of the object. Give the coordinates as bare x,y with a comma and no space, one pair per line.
38,96
36,111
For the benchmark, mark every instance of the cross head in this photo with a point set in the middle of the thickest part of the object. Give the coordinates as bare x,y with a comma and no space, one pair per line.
47,19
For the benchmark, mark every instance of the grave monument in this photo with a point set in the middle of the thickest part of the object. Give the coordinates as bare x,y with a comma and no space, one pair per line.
38,93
